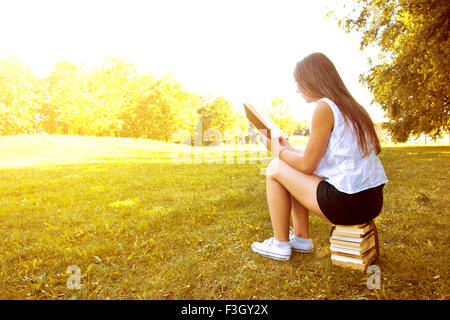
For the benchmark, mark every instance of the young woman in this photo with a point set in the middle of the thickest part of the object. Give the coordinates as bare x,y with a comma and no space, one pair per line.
338,176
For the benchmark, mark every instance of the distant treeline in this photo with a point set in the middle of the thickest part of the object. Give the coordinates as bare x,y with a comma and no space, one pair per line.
114,100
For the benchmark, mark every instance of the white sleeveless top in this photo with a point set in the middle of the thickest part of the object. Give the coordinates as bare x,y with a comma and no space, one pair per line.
343,165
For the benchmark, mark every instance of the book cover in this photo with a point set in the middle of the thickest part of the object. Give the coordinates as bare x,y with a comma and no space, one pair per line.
354,226
351,234
348,239
262,122
356,230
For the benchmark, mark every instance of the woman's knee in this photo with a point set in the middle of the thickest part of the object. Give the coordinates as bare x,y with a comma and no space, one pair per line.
274,167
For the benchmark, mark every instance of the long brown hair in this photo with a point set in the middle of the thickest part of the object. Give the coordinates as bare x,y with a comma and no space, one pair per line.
317,78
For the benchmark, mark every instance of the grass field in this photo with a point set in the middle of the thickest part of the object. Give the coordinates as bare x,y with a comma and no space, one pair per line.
139,226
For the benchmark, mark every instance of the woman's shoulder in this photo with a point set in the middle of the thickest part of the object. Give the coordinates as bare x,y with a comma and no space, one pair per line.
327,101
325,108
330,104
323,115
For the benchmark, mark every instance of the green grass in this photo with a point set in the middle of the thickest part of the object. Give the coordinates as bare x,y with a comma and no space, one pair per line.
140,226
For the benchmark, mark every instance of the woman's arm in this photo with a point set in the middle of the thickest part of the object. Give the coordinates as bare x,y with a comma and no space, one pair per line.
284,143
296,150
321,126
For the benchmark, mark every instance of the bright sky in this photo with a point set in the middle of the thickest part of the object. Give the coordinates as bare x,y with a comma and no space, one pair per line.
243,50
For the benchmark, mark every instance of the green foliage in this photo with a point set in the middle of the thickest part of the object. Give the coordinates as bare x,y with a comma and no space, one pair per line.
381,129
217,114
67,107
113,88
20,95
163,107
113,100
283,116
302,128
129,117
409,78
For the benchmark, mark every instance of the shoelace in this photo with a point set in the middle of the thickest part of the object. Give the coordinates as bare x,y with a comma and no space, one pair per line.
291,233
268,241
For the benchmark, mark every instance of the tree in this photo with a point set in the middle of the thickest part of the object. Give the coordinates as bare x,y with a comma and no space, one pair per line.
129,113
217,114
302,128
61,111
163,107
410,76
113,88
282,115
219,118
113,100
20,96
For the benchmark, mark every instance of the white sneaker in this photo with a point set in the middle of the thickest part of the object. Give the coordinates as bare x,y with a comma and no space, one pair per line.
269,249
300,245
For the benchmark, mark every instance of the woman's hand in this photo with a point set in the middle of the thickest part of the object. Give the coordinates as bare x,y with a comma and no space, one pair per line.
273,145
284,143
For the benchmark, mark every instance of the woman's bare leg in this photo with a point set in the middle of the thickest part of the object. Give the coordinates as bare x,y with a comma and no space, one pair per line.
282,182
300,219
279,201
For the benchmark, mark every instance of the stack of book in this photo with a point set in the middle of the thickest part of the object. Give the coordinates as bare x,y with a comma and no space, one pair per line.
353,246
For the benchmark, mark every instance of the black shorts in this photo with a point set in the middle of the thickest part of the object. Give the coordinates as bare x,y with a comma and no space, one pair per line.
347,209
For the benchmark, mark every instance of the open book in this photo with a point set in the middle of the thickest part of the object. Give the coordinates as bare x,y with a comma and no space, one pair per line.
262,122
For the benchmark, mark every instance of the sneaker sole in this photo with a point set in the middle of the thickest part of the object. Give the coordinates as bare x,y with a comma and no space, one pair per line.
271,254
302,251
